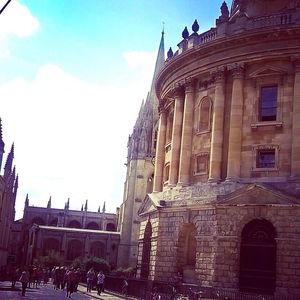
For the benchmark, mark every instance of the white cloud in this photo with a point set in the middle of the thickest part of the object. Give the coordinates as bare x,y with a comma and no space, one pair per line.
16,20
70,137
141,61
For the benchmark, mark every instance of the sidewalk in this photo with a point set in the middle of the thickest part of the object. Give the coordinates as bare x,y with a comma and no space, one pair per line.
107,295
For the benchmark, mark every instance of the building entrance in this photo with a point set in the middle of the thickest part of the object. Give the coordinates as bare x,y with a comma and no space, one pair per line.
258,257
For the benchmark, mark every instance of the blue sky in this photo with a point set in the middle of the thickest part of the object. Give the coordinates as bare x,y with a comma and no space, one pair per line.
73,76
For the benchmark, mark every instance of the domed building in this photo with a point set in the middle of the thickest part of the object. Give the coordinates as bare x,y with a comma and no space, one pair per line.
225,206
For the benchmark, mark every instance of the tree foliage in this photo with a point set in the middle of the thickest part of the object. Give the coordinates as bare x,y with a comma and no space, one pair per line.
96,263
52,259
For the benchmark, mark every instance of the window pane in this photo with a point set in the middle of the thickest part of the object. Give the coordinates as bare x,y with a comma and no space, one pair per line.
266,159
268,103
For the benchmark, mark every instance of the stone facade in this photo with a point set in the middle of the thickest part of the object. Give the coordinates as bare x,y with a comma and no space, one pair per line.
225,206
8,193
68,232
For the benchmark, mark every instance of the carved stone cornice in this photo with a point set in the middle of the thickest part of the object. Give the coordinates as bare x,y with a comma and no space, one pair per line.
204,84
189,84
237,70
296,62
219,74
177,90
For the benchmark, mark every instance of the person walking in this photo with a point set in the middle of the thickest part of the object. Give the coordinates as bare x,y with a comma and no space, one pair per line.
90,277
24,279
100,282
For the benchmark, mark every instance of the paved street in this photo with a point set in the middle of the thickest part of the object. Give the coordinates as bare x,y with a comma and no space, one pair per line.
46,292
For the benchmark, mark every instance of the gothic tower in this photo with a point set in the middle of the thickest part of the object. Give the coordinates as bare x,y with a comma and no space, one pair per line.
140,168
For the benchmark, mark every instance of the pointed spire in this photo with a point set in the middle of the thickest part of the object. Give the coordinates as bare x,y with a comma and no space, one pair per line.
86,205
26,201
9,162
1,145
99,209
82,207
68,203
103,208
49,203
170,53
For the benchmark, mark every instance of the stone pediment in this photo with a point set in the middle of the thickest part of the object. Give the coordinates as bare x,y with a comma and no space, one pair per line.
267,71
149,204
257,194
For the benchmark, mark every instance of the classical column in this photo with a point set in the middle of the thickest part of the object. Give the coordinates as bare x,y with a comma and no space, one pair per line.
295,159
236,123
176,136
160,151
187,131
217,128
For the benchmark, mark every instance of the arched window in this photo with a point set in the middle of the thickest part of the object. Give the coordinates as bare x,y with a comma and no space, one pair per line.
146,251
187,245
92,225
53,222
75,249
258,257
204,115
38,221
110,227
74,224
97,249
50,244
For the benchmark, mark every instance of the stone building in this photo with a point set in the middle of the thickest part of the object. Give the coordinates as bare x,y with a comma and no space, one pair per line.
8,193
225,206
140,169
70,233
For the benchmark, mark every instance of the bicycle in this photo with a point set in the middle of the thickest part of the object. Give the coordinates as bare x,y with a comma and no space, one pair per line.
194,295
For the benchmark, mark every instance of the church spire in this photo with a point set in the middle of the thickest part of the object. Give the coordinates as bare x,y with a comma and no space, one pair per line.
86,205
49,203
1,145
103,208
8,164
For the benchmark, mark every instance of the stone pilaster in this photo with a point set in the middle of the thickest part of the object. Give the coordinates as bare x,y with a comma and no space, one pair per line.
217,127
236,124
187,131
160,151
176,136
295,160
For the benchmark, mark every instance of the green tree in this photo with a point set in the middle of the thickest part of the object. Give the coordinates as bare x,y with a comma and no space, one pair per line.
91,262
52,259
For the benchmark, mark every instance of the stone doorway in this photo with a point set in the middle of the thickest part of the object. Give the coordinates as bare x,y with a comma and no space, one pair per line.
258,257
186,252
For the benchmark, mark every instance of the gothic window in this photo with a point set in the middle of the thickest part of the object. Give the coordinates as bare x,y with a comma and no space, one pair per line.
38,221
268,103
201,163
110,227
75,249
203,115
258,257
92,225
74,224
53,222
97,249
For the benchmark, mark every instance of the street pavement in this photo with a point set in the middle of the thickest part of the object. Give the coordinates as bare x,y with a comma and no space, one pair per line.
47,292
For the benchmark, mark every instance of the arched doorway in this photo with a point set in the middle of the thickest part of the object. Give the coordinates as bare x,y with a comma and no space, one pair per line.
97,249
187,248
92,225
146,251
258,257
75,249
50,244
